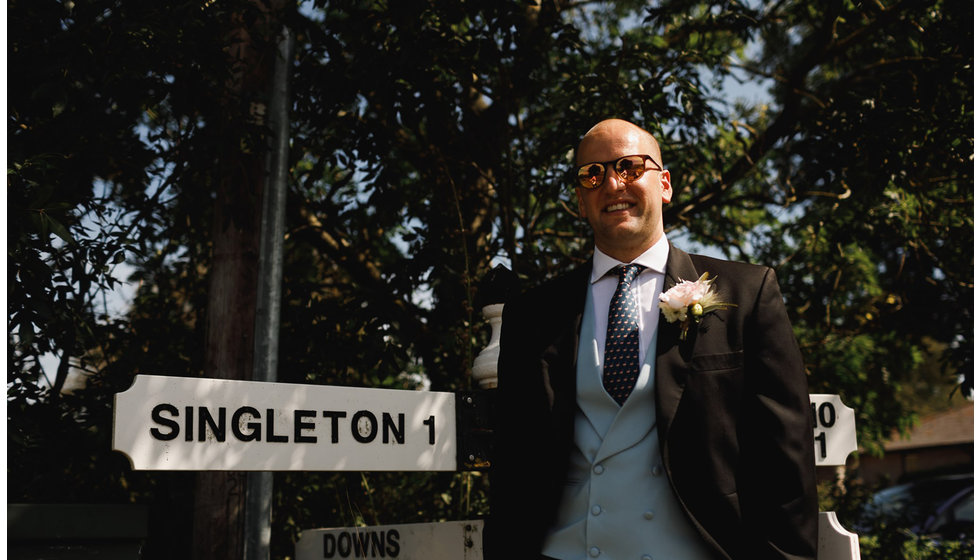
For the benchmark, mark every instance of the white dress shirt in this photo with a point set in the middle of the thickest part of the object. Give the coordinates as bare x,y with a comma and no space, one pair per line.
646,289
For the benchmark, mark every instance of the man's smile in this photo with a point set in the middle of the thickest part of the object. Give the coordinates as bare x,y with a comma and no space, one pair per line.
618,206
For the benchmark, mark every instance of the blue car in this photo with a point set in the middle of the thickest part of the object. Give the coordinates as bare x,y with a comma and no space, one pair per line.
938,507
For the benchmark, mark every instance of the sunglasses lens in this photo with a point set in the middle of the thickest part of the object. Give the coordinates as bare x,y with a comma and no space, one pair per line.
630,168
589,176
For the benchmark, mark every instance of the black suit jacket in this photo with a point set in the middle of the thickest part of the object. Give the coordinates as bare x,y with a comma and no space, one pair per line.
732,404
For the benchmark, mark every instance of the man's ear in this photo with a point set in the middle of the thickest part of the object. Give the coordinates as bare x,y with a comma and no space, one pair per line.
666,191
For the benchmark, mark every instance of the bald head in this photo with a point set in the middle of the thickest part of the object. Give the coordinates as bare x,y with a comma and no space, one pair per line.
615,133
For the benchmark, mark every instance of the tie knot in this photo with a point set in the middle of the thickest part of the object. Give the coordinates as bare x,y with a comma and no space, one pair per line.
628,272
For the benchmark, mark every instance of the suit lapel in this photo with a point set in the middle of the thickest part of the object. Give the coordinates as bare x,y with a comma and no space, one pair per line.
669,376
679,267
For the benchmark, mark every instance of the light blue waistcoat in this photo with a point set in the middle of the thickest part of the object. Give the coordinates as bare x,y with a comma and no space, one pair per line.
617,503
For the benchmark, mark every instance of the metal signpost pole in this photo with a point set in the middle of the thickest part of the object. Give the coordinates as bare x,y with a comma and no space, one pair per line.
258,498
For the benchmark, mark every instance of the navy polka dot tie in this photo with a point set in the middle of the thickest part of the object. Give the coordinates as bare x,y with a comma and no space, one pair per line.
622,356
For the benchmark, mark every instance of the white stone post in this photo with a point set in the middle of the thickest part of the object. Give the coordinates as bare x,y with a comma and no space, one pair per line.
499,284
485,364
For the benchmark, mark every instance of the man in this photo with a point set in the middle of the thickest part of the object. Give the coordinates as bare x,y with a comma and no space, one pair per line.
653,440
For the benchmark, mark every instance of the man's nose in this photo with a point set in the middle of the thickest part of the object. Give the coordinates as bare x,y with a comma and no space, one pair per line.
612,180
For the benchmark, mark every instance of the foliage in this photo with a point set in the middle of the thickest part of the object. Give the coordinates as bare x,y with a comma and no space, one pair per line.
894,544
431,140
881,160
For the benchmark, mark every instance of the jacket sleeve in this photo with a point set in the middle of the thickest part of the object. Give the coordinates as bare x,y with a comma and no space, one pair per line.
779,502
520,416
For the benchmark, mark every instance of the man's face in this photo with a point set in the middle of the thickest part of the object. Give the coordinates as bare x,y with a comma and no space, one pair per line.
626,218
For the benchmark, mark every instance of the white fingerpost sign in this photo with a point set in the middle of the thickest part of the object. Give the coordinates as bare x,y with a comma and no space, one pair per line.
834,438
834,431
183,423
834,542
451,540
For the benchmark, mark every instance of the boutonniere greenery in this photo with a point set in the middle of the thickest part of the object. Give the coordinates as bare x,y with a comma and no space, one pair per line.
689,302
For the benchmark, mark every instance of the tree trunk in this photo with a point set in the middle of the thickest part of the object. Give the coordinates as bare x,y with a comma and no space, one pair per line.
219,499
220,496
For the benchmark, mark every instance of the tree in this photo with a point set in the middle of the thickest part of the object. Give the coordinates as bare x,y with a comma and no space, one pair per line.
430,141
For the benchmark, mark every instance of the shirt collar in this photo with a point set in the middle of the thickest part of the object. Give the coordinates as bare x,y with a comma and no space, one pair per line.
654,258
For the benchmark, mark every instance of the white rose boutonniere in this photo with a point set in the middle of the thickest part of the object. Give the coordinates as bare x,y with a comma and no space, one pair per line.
690,301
